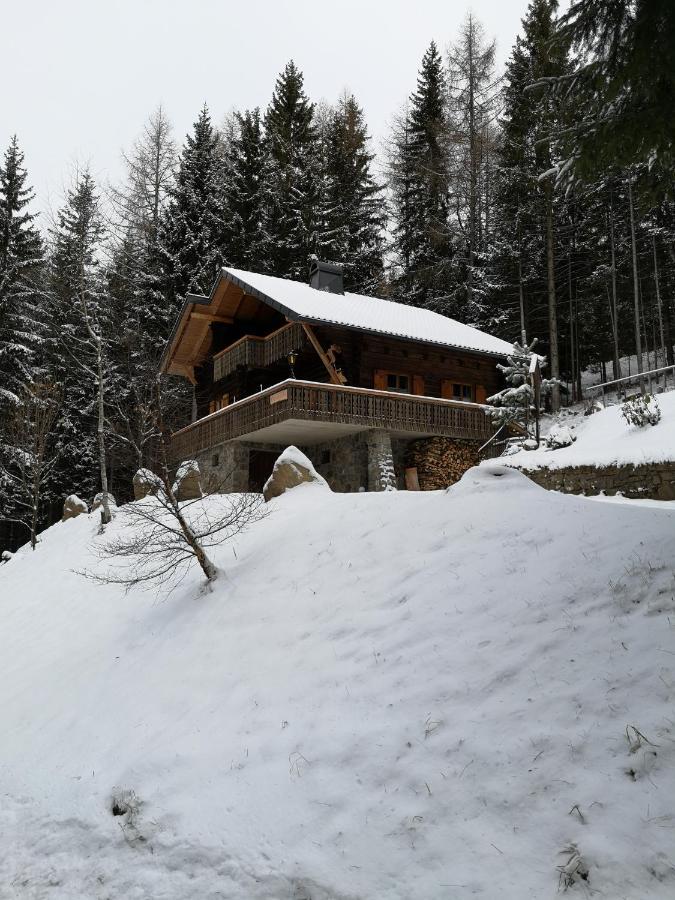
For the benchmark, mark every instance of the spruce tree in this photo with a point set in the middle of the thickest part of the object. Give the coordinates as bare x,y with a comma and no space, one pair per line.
192,235
292,179
623,92
353,203
76,283
21,256
419,174
528,208
21,325
244,192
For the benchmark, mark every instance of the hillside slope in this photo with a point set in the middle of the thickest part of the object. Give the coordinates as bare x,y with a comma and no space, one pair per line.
386,696
605,439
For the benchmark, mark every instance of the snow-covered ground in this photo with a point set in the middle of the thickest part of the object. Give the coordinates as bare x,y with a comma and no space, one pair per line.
392,696
605,438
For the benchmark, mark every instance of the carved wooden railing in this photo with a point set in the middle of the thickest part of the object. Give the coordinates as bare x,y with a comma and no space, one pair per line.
315,402
258,352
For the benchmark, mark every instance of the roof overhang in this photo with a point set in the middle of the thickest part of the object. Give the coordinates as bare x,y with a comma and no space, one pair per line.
190,342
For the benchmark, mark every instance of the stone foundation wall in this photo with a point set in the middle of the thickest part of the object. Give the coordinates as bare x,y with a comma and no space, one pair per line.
652,481
225,468
349,464
352,463
342,462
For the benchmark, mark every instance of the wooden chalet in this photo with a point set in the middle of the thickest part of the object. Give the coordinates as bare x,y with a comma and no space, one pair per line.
361,385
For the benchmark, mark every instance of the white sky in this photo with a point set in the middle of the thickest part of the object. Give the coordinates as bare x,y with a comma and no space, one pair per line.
85,74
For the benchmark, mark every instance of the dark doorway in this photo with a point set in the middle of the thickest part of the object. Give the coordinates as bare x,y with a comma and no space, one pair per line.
260,465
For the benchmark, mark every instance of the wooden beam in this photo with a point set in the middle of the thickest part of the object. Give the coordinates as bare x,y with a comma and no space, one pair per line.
335,377
185,370
212,317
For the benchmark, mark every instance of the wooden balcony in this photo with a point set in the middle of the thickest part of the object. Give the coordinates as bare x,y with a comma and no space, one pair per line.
306,413
258,352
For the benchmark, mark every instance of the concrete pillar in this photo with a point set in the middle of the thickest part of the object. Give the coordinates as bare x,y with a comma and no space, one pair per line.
381,474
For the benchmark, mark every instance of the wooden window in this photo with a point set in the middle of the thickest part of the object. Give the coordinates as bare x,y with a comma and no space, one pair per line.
400,384
219,403
453,390
396,382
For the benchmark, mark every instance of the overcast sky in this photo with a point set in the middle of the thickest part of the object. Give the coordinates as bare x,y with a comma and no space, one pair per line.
81,76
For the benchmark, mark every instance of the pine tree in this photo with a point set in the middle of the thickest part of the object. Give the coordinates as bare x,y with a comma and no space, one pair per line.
352,200
77,299
244,192
21,326
419,182
623,92
526,202
292,178
21,256
192,235
515,403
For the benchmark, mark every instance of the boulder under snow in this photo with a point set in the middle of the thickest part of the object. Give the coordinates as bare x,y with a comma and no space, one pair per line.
291,469
73,506
187,484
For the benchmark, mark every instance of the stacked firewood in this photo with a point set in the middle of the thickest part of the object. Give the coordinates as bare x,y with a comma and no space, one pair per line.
440,461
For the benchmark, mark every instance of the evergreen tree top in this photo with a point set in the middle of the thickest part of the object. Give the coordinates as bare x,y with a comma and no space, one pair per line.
428,101
19,238
289,117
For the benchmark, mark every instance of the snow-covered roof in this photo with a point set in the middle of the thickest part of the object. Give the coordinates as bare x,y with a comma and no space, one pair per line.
298,300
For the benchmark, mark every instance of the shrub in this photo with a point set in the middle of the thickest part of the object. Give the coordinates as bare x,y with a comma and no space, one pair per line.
641,410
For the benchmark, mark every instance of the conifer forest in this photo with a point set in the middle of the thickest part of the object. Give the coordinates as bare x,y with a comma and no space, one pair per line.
533,201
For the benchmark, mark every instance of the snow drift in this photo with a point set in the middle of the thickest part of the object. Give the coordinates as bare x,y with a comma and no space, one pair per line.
385,695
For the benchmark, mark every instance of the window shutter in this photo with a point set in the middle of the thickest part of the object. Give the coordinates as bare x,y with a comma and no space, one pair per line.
446,389
418,385
380,380
481,393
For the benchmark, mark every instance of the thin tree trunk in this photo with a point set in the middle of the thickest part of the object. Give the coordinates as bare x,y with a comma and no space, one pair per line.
616,362
106,515
205,563
521,293
658,301
636,288
571,308
97,340
554,360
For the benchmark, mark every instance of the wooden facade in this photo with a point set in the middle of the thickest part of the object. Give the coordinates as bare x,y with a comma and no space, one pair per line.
376,362
260,375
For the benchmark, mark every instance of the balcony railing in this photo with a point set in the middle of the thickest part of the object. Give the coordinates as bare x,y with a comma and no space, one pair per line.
258,352
314,402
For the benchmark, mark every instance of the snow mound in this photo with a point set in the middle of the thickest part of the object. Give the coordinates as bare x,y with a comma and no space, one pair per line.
605,439
393,695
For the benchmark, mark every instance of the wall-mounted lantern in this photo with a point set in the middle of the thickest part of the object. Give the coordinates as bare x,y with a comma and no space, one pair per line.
292,359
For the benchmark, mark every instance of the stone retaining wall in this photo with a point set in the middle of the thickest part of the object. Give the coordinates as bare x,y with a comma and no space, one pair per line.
653,481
